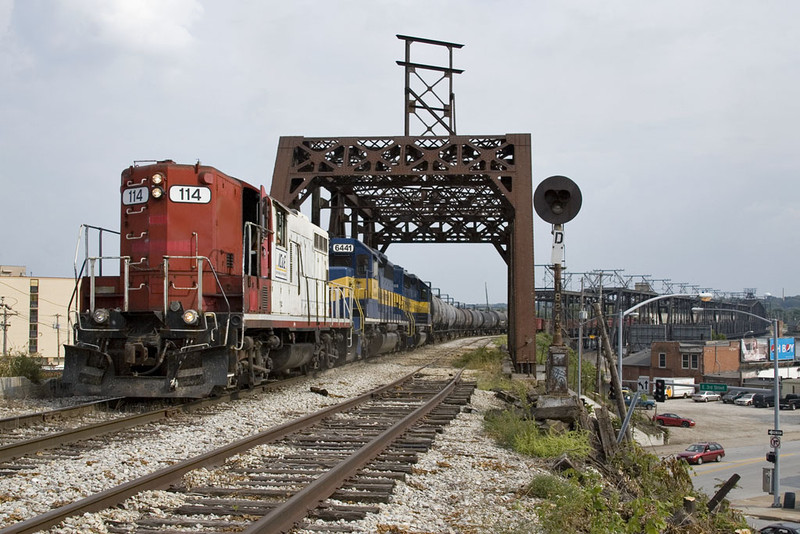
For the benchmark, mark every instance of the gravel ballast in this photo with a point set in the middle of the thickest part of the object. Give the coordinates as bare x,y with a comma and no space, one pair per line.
464,484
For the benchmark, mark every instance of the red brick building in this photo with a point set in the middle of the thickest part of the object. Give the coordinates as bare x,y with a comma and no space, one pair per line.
699,359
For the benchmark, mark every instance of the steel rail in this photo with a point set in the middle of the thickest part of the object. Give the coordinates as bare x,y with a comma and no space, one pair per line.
163,478
20,448
18,421
285,516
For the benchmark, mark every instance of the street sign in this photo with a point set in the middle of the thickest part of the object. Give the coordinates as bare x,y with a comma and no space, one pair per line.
706,386
773,432
775,442
644,384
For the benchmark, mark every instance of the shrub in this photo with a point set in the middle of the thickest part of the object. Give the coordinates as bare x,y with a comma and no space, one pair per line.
512,430
21,364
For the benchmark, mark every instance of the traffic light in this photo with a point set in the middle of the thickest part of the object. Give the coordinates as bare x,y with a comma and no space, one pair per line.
660,392
557,199
771,457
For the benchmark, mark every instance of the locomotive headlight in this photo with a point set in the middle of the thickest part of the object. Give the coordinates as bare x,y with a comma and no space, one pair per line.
157,192
100,315
190,317
157,179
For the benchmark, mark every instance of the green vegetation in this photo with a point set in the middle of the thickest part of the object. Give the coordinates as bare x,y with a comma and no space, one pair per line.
21,364
512,430
634,492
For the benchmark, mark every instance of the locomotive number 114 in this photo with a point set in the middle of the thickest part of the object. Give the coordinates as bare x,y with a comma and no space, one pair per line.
191,194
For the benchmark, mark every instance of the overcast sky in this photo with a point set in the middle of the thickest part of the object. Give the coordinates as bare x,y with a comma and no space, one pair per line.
679,120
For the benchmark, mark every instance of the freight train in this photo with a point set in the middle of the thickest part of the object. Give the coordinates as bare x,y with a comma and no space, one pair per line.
221,287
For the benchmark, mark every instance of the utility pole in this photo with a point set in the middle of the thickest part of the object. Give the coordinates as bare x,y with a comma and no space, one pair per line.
57,326
5,324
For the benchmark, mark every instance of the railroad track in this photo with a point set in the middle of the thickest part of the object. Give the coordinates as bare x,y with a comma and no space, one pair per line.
50,429
353,451
37,432
8,424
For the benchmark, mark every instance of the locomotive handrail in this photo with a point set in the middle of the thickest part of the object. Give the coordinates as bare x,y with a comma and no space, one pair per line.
92,287
130,182
247,247
342,294
92,284
83,231
199,288
130,237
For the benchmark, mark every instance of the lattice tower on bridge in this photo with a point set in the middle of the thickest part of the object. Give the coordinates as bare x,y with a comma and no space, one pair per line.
425,189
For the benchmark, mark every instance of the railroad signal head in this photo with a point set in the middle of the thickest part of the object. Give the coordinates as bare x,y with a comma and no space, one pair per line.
557,199
660,392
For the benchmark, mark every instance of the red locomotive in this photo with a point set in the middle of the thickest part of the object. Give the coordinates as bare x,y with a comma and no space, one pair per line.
219,286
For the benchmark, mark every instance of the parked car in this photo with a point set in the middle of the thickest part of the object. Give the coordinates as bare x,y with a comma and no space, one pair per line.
790,402
673,419
763,400
745,400
705,396
643,402
731,396
784,527
706,451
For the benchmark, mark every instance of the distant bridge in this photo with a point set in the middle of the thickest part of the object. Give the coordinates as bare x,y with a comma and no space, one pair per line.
668,318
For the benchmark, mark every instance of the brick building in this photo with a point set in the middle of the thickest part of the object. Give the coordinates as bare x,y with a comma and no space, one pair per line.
698,359
683,359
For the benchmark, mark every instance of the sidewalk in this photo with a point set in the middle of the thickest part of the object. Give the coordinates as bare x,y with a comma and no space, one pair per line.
761,507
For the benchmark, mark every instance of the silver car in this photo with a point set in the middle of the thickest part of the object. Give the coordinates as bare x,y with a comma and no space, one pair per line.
745,400
705,396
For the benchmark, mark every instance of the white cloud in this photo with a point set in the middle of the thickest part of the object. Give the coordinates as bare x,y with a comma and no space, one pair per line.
6,8
149,26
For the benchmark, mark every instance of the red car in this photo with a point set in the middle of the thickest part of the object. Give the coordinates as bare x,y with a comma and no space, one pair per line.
703,452
673,419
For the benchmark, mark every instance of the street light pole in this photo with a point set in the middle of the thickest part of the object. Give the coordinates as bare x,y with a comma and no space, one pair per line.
622,315
702,296
776,476
776,482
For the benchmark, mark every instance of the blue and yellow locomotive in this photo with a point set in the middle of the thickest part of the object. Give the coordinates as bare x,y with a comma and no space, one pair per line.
391,308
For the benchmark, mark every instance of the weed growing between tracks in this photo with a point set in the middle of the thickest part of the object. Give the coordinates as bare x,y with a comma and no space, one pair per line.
633,492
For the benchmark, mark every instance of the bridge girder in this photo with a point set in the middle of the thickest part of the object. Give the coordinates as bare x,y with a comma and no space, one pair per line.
405,189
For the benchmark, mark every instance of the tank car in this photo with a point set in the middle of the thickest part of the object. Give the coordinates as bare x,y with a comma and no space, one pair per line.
219,286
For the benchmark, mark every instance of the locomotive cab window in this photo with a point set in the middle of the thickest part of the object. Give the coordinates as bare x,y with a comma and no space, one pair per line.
280,227
339,260
362,262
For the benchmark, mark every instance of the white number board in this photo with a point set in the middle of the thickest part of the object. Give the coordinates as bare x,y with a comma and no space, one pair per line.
190,194
135,195
343,247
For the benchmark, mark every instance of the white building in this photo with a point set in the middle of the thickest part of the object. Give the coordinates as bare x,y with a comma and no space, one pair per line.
33,313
